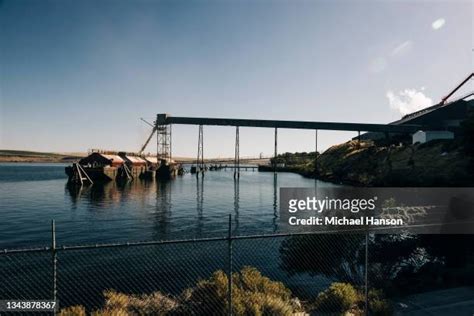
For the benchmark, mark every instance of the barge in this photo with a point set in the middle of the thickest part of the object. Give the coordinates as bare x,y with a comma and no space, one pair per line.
100,166
167,169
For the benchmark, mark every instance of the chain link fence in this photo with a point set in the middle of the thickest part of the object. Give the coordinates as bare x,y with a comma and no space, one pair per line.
278,274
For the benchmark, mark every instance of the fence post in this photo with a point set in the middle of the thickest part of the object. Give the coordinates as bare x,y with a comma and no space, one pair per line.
54,261
229,268
367,273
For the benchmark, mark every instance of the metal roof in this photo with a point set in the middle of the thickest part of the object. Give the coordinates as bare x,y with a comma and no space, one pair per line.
151,159
114,158
135,159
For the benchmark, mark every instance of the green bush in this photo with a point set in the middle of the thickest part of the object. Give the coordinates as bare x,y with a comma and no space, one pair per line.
252,294
120,304
207,296
112,312
342,298
260,304
73,311
294,159
378,305
339,297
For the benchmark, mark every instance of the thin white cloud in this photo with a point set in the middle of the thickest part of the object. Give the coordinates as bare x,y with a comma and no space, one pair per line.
439,23
401,49
408,101
380,63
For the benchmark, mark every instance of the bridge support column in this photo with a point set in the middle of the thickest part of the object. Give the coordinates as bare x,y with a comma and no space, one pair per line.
316,141
200,168
316,149
237,154
358,139
276,150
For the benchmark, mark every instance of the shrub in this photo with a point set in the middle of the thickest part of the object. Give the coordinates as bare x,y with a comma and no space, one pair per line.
111,312
260,304
251,280
258,295
207,297
119,304
343,298
73,311
252,294
378,305
339,297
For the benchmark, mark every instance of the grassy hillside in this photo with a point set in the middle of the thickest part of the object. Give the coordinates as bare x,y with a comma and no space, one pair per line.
435,163
300,162
32,156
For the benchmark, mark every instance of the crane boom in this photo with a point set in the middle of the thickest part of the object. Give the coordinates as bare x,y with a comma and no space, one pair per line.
443,100
141,118
148,140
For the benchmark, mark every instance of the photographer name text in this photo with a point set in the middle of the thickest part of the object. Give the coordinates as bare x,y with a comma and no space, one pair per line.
344,221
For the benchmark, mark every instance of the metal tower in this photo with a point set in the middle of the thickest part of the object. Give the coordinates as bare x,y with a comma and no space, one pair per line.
163,139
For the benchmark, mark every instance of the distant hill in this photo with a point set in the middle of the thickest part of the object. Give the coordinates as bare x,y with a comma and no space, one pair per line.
33,156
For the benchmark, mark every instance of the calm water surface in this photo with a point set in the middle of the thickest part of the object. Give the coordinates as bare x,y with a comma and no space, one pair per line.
34,194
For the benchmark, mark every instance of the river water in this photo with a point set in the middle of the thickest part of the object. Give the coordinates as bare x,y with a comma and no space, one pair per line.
34,194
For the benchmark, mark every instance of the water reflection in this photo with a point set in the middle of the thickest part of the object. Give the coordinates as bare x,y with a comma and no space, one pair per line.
163,210
179,208
154,199
236,203
199,204
110,194
75,192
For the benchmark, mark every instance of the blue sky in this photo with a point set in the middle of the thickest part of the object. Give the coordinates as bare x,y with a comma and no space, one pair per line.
76,75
